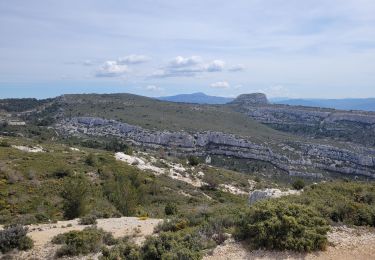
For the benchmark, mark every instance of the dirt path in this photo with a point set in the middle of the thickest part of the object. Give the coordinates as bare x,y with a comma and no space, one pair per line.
119,227
345,243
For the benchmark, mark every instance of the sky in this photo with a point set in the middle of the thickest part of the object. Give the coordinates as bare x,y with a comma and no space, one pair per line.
284,48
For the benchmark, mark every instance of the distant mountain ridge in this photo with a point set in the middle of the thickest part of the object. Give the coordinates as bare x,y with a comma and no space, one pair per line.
198,98
365,104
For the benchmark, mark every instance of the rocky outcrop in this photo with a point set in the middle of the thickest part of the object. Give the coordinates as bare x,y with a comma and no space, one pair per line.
306,159
250,99
258,195
353,126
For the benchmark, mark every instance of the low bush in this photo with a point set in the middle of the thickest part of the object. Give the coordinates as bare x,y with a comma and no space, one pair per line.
298,184
62,173
4,143
215,228
91,160
352,203
89,240
174,224
211,182
169,245
170,209
276,224
14,237
88,220
124,250
193,160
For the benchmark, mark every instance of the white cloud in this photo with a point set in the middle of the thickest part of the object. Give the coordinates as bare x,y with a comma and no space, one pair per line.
216,65
112,69
236,68
153,88
220,84
133,59
180,61
188,67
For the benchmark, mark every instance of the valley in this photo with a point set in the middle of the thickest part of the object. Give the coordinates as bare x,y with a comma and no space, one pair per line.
201,172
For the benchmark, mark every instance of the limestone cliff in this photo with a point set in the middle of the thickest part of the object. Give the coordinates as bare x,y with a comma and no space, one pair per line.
307,158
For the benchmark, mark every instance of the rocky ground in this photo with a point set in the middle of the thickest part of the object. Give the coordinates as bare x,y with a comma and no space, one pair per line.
42,234
190,175
345,243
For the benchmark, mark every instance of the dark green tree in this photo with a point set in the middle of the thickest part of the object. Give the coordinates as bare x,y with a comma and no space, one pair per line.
75,193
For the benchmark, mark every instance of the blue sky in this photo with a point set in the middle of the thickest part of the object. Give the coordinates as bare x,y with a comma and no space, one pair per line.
284,48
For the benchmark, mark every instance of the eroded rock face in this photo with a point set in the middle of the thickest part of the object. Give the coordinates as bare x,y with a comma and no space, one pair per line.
306,159
258,195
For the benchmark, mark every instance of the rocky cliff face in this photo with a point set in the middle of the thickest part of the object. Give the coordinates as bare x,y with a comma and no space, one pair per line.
353,126
251,99
307,159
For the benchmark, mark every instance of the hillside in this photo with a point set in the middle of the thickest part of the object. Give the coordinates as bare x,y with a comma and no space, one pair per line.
154,114
242,130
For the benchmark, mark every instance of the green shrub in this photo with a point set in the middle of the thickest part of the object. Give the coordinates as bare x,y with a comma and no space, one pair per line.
128,151
214,228
14,237
91,160
122,192
62,173
88,220
174,224
75,194
193,160
298,184
89,240
124,250
170,209
4,143
60,238
169,245
276,224
212,182
348,202
353,213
